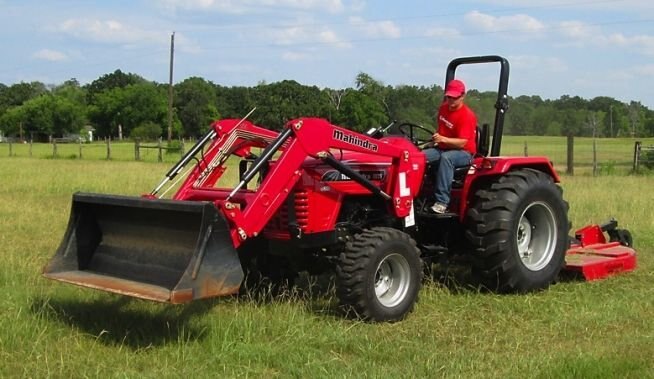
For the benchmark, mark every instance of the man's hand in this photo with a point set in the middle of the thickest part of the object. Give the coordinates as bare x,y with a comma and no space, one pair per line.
447,142
437,138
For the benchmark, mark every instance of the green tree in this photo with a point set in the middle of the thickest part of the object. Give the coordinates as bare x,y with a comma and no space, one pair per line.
128,108
374,89
607,105
19,93
277,103
360,112
147,131
195,101
415,104
53,115
234,102
116,79
72,91
11,121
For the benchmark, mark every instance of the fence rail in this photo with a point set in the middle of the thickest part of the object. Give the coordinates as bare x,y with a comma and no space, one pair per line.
643,156
61,148
578,156
160,149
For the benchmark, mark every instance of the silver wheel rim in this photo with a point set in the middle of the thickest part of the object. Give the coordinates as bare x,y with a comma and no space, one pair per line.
392,280
536,236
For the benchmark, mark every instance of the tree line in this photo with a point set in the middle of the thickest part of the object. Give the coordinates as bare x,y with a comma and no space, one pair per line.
126,104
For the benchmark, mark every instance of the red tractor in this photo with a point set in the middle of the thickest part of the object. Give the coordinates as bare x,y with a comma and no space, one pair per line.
317,197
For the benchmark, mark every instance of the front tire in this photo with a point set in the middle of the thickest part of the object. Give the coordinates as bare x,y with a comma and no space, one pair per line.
379,275
518,228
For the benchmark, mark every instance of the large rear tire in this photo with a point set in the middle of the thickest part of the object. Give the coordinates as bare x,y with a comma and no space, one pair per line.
379,275
518,228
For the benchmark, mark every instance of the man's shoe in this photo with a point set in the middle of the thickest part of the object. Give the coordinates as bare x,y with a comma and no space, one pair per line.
439,208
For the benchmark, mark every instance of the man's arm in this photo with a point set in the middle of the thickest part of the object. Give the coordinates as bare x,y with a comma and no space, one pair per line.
449,142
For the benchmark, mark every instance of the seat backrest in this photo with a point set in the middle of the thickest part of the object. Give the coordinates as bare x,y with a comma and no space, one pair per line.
483,140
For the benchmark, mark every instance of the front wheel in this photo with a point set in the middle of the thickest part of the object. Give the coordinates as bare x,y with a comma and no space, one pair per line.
518,228
379,274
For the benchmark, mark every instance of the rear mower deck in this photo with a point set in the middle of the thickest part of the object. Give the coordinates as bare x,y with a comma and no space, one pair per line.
592,257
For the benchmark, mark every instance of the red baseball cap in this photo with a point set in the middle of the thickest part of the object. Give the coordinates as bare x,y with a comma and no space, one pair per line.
455,88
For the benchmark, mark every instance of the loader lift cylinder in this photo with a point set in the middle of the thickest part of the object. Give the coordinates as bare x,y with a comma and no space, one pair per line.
211,134
268,152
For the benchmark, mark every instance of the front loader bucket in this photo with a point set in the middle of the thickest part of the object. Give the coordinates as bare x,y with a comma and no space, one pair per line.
163,250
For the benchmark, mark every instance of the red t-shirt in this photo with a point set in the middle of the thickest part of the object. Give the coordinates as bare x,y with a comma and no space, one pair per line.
461,123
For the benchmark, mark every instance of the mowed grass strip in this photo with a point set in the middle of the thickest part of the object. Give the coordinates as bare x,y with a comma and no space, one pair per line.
574,329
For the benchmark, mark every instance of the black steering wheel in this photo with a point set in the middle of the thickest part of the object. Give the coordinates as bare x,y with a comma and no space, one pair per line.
418,134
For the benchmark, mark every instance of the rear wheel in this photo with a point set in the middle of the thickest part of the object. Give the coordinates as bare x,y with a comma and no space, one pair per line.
379,274
518,228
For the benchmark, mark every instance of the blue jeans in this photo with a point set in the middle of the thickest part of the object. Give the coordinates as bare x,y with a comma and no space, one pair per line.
444,161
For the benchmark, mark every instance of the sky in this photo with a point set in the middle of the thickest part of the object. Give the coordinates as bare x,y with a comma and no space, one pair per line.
585,48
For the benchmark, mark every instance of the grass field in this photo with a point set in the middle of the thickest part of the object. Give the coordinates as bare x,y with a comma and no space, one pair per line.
574,329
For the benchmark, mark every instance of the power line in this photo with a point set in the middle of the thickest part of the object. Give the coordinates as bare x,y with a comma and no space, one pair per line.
421,37
250,26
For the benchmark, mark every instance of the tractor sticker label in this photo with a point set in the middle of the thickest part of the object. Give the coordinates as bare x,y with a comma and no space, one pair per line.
354,140
404,190
335,176
410,220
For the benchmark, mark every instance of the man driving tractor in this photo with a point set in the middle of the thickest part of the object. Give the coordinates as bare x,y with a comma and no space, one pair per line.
454,142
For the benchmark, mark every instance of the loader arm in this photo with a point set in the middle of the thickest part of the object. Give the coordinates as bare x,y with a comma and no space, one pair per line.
249,211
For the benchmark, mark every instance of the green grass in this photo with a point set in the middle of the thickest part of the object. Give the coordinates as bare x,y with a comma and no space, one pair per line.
574,329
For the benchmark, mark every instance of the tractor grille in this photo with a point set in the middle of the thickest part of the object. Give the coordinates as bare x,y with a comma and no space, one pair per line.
279,223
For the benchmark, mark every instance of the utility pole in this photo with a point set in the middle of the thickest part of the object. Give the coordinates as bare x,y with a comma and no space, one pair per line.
611,119
170,89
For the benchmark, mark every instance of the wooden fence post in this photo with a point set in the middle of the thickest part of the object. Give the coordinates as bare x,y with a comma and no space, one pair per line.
571,165
108,139
54,148
160,156
594,157
526,150
11,149
637,146
137,153
80,148
31,142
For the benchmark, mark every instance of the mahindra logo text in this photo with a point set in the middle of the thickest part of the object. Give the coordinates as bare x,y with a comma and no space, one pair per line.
354,140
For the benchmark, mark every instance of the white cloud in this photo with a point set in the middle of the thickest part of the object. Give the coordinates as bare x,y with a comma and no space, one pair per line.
290,35
330,37
489,23
376,29
542,64
50,55
580,33
110,31
626,6
645,70
298,35
294,56
578,30
357,5
440,32
641,43
249,6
